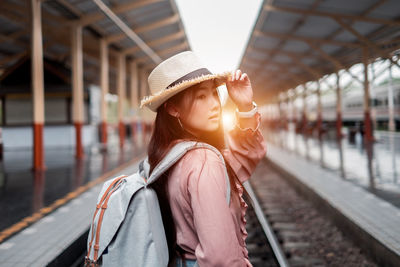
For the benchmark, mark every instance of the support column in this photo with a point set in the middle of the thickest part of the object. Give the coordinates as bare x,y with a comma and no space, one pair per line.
77,88
294,112
287,112
319,110
304,112
392,125
368,135
280,122
338,107
372,94
143,92
134,97
367,113
37,86
294,116
339,135
319,125
121,88
305,126
104,83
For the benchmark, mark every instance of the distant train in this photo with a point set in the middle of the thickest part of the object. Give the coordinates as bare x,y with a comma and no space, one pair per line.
353,107
352,110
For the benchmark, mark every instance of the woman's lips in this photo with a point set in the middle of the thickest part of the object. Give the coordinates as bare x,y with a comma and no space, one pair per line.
216,116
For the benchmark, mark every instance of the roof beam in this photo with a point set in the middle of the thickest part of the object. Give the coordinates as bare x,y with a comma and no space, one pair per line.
293,29
332,59
306,39
12,39
283,70
51,31
260,21
365,40
317,75
179,47
158,24
365,12
157,42
322,53
332,15
4,60
122,8
71,8
131,34
278,51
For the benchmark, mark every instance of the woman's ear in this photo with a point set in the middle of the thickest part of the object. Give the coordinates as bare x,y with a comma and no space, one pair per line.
171,109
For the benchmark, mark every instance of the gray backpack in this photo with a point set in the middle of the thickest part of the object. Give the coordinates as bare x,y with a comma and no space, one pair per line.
127,227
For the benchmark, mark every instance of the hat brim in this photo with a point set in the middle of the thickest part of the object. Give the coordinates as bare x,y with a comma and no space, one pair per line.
154,101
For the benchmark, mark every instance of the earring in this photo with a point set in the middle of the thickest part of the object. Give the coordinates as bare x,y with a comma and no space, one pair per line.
179,121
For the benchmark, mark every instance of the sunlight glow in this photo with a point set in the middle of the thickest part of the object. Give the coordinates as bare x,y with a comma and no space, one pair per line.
228,120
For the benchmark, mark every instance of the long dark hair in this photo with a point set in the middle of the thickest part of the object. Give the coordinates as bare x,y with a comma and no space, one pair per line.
166,133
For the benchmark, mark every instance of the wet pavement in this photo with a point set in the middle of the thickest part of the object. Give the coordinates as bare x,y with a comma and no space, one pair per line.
24,192
375,167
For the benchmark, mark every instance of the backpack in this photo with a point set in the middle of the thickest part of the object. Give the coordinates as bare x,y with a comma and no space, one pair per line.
127,227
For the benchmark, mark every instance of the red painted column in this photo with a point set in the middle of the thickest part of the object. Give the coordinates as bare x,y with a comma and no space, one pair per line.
367,114
143,124
37,86
104,133
134,98
78,137
319,111
104,84
304,112
338,107
121,87
77,88
121,130
133,130
294,112
368,125
38,151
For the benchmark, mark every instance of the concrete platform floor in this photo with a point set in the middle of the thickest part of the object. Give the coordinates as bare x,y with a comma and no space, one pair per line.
24,192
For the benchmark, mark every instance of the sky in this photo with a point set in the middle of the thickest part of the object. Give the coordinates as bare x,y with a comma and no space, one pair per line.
218,30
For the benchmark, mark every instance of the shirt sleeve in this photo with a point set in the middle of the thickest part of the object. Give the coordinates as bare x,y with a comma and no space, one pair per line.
246,147
218,244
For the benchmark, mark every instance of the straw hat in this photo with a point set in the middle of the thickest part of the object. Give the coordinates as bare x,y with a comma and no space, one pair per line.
174,75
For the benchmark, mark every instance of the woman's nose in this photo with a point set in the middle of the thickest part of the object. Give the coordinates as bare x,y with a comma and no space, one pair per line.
215,101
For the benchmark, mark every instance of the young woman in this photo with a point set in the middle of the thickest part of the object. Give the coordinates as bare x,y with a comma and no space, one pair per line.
199,223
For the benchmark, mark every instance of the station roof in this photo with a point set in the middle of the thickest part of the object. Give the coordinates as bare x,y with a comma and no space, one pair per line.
296,41
156,22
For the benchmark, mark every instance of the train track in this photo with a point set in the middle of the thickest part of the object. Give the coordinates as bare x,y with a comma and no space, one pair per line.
262,243
304,236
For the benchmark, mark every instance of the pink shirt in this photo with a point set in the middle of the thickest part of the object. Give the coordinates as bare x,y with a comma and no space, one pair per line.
207,228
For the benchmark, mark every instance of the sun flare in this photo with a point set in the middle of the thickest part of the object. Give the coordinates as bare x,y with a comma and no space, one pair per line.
228,120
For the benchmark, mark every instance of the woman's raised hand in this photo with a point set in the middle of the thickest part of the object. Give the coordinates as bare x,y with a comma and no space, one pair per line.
240,90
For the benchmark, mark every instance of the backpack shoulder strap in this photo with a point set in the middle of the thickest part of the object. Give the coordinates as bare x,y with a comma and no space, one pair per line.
177,152
103,206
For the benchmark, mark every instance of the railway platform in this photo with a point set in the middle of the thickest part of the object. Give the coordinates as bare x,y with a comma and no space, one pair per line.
59,238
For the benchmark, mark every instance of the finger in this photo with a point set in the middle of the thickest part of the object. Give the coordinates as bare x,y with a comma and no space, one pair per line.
232,76
245,77
238,72
242,77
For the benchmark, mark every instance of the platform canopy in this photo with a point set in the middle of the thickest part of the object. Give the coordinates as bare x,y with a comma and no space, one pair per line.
295,41
156,22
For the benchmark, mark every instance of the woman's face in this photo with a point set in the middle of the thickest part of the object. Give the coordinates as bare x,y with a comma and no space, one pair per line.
205,112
